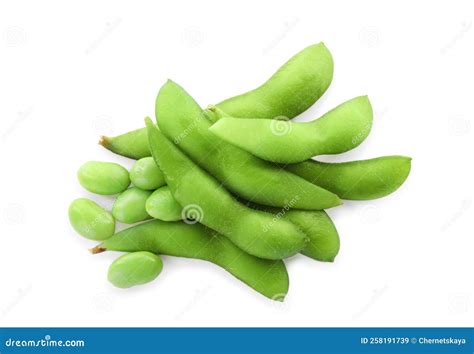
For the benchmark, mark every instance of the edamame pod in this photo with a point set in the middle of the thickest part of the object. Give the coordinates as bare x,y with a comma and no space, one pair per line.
296,85
133,144
135,268
323,244
162,205
129,207
90,220
103,177
181,119
253,231
146,175
337,131
357,180
179,239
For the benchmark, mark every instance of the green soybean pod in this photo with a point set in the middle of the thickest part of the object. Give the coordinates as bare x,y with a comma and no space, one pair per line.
338,131
129,207
323,238
105,178
90,220
133,144
182,120
162,205
357,180
294,87
179,239
146,175
212,205
135,268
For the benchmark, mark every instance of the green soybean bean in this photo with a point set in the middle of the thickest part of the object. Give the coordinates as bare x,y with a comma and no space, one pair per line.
129,207
296,85
103,177
337,131
135,268
253,231
162,205
182,121
357,180
90,220
179,239
146,175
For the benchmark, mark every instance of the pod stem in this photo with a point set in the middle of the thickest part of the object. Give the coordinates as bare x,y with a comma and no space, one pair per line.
104,141
97,249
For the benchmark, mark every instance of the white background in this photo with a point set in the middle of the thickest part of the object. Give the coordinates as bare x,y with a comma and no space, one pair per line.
71,72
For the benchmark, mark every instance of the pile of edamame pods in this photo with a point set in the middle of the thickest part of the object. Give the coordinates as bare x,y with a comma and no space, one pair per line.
235,183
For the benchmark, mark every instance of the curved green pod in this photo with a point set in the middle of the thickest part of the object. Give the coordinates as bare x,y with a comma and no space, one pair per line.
205,200
162,205
90,220
104,178
357,180
130,206
134,268
323,238
337,131
133,144
295,86
179,239
181,119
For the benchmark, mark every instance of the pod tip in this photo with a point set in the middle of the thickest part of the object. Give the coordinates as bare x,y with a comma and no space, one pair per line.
103,140
97,249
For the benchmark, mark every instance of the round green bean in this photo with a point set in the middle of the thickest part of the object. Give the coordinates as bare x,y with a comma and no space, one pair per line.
253,231
357,180
337,131
129,207
181,119
162,205
90,220
146,175
103,177
179,239
135,268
